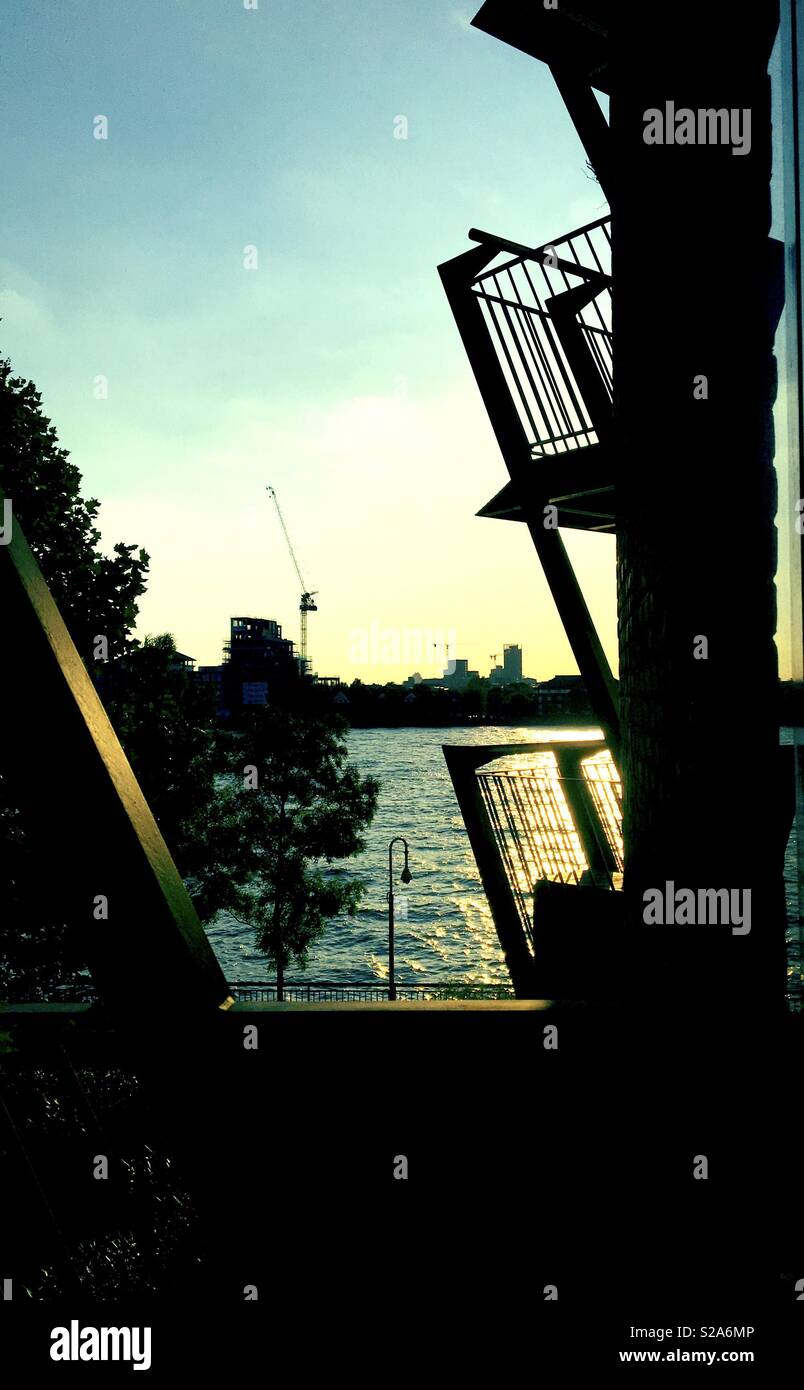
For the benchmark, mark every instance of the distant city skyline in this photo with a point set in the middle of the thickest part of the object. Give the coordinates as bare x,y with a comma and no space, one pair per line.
512,668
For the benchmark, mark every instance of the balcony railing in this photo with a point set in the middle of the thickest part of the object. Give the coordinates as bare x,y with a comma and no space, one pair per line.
528,806
538,814
536,324
539,307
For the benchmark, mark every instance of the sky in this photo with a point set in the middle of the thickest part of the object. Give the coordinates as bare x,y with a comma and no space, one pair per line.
332,370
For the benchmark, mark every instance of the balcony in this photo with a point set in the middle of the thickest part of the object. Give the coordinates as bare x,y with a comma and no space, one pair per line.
541,818
547,314
536,324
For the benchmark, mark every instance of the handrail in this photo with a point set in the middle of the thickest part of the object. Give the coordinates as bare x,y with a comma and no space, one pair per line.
539,253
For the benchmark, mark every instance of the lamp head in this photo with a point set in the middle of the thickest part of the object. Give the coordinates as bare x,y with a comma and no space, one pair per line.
406,875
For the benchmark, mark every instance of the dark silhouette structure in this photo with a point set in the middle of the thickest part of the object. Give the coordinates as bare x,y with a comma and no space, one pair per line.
543,813
116,879
597,419
257,662
628,373
696,537
536,325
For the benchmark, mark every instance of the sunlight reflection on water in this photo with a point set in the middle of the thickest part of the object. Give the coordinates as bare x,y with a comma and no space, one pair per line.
448,933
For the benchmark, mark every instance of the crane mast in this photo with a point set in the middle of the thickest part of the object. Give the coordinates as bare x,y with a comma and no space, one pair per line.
306,603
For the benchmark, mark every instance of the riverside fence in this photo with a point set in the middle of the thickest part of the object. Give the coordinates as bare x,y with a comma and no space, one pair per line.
326,991
370,992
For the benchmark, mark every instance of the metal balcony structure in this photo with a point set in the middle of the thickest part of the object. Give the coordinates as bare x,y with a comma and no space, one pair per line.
538,815
549,315
536,324
575,44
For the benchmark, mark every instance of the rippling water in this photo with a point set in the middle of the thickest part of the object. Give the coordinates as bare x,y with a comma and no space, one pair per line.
448,933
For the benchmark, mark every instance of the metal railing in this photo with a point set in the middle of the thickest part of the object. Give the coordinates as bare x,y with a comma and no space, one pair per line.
304,992
605,788
325,991
536,324
537,812
524,301
529,805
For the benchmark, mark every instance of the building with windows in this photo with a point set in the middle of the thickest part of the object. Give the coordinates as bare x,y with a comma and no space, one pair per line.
562,695
212,676
257,660
512,663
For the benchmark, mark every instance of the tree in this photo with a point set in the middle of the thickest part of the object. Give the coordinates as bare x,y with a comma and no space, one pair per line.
292,807
166,723
268,857
97,596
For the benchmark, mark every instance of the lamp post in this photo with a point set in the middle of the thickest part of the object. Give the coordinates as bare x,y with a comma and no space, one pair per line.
405,876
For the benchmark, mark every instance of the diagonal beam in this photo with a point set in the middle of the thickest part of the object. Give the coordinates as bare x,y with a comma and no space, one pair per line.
589,121
88,817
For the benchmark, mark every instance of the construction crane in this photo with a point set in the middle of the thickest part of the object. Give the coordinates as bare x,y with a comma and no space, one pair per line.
306,603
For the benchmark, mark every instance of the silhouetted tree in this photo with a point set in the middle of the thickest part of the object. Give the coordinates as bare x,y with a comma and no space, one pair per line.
167,724
292,808
97,595
265,854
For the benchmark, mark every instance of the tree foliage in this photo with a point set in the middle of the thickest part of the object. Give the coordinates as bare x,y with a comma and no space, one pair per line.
292,808
265,854
97,595
166,723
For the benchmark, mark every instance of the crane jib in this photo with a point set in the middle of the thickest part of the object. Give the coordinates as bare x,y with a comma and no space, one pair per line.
307,602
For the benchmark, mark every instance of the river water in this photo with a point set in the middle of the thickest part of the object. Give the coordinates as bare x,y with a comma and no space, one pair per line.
444,930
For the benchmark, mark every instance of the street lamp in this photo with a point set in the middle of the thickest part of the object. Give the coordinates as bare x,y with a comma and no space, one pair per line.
405,876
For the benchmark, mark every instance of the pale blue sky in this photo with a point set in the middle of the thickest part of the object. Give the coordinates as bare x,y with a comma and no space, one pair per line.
333,371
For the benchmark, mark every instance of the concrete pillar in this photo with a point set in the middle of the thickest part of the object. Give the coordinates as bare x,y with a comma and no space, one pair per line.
696,535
